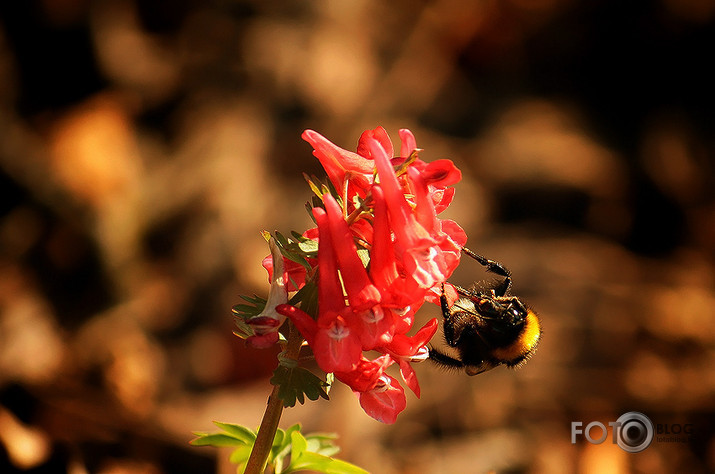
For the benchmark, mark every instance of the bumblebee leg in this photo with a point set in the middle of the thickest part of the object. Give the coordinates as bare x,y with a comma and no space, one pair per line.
463,291
442,359
451,334
444,303
448,325
493,267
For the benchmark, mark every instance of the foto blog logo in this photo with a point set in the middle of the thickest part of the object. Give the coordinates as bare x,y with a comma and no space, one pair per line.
632,431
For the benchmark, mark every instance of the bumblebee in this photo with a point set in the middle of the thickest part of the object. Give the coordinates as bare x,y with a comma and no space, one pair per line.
487,327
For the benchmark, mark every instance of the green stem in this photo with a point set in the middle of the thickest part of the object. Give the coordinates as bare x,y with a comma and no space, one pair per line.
272,416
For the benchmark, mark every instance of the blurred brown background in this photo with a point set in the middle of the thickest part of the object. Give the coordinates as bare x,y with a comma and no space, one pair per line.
144,145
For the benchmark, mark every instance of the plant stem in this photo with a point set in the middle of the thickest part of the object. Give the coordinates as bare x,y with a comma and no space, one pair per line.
269,425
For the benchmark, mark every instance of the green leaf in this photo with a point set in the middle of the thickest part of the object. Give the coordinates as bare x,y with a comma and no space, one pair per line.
216,439
329,379
237,431
303,452
298,237
289,432
296,383
322,443
320,463
278,441
246,311
298,444
233,435
307,297
255,299
281,239
284,449
297,258
338,466
333,191
243,331
240,455
323,437
279,450
294,250
310,247
309,208
311,183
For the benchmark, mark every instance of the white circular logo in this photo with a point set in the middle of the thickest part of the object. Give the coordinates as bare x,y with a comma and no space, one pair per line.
634,432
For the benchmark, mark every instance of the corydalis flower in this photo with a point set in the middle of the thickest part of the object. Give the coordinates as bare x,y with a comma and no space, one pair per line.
366,301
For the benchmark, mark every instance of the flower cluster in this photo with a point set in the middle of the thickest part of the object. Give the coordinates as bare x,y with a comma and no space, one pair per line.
382,252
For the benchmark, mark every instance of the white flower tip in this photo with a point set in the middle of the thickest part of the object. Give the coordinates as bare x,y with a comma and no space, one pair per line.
278,293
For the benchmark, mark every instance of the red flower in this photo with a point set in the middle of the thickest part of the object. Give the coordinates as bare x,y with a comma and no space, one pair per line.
409,144
404,349
366,374
344,168
375,271
385,401
337,345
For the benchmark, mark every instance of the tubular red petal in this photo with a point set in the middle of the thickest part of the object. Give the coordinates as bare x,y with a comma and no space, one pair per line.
337,347
362,294
407,231
424,206
408,142
385,401
366,374
376,327
441,173
379,134
339,163
404,317
409,376
434,294
335,157
442,198
426,265
397,291
302,320
451,241
330,291
383,265
407,346
403,349
455,232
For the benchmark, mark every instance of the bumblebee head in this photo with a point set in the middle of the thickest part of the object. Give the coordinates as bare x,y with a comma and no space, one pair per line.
524,344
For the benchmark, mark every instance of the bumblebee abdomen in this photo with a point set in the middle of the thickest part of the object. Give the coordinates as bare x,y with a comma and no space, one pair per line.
523,345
